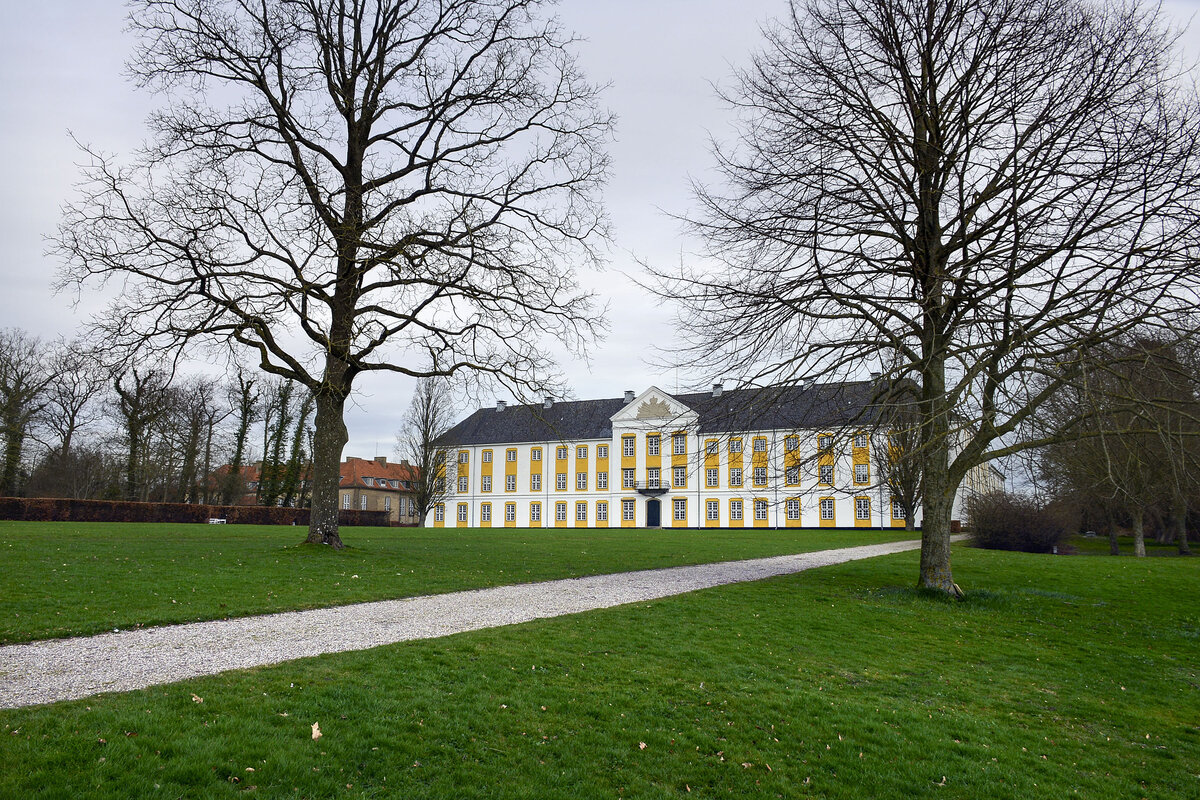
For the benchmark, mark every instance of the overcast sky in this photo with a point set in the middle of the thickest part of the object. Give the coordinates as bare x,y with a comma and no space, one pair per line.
61,63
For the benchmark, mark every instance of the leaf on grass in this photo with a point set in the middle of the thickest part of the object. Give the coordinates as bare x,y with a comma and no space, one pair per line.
197,698
641,745
316,734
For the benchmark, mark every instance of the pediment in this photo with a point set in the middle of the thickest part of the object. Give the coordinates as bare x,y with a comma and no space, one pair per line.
654,408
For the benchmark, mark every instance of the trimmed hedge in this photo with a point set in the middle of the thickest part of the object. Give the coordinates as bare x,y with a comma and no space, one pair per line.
63,509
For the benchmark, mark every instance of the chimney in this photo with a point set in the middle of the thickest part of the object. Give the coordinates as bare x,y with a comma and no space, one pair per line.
549,402
381,459
501,405
628,395
717,389
875,376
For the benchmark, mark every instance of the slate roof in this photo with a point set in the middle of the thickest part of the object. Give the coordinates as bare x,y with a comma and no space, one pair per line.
825,405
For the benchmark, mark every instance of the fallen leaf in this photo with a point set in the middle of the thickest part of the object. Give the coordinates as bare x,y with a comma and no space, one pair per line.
641,745
316,731
197,698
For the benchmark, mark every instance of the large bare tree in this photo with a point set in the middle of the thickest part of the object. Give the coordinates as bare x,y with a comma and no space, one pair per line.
348,186
429,416
960,193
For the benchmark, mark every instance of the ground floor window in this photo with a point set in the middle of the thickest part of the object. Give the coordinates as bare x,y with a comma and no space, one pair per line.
485,512
681,510
560,512
897,510
793,508
581,512
826,508
713,509
627,510
387,504
760,509
439,513
862,508
602,511
535,512
510,512
735,509
462,512
345,501
362,503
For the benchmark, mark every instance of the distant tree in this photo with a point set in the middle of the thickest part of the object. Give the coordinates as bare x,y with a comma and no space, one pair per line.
244,401
347,187
76,383
960,194
24,374
141,402
429,416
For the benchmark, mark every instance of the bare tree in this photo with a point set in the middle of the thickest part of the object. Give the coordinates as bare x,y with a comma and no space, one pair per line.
244,400
24,374
142,401
429,416
341,187
77,380
960,194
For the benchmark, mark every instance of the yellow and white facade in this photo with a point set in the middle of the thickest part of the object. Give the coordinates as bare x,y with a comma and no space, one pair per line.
739,459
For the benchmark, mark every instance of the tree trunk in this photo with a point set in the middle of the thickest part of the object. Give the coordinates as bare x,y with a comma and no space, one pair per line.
1139,534
329,439
1179,511
13,441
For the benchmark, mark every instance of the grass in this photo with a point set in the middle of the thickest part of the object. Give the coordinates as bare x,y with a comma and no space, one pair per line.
63,579
1057,677
1098,546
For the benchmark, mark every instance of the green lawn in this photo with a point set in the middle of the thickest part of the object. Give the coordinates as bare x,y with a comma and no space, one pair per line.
1057,677
1098,546
62,579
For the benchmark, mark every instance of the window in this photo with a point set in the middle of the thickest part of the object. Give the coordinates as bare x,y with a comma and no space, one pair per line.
627,479
897,510
826,508
581,481
760,476
735,445
862,473
790,443
680,510
601,480
510,455
627,445
760,509
581,512
825,474
535,454
735,509
561,453
462,484
487,456
581,451
793,508
652,478
760,445
601,451
679,444
387,504
362,503
679,476
653,445
860,440
486,483
627,510
560,481
345,501
440,485
439,513
462,512
710,447
824,442
862,508
560,512
792,475
462,456
510,512
535,483
535,512
713,510
602,512
510,483
710,477
735,476
485,512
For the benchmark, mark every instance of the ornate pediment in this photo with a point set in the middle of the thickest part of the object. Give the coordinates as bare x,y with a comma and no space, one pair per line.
654,408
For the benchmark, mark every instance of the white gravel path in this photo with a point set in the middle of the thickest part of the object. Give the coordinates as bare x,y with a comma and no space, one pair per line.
67,669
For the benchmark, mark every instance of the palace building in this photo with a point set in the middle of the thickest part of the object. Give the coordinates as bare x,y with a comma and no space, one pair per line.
794,456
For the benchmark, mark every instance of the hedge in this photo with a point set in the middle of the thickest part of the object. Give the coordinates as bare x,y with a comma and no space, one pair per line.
62,509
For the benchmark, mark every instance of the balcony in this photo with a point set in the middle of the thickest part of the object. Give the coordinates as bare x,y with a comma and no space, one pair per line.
651,488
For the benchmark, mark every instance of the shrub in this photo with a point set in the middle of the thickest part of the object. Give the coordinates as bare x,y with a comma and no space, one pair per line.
1001,521
61,509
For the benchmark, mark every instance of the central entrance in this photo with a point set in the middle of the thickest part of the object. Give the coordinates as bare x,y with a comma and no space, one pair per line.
653,513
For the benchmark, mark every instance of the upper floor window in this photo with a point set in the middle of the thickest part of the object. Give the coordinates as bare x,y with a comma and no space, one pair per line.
510,455
825,474
487,456
510,483
860,440
790,443
824,442
462,456
862,473
535,454
679,444
710,447
627,445
561,453
679,477
602,451
462,483
653,445
760,445
560,481
581,451
792,475
735,445
581,481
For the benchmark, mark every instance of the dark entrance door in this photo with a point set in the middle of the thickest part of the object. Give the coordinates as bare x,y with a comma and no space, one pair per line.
653,518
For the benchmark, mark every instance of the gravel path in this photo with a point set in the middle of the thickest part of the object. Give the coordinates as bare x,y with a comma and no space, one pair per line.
67,669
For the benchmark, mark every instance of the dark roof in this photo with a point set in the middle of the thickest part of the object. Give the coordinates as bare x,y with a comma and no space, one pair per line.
826,405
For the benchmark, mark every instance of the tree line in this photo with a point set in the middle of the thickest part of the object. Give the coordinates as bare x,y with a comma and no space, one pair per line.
73,425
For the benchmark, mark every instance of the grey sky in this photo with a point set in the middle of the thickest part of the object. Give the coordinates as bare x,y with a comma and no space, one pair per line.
61,62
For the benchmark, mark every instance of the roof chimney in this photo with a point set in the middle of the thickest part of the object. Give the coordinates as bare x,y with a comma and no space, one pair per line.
501,405
381,459
549,402
717,389
875,376
628,395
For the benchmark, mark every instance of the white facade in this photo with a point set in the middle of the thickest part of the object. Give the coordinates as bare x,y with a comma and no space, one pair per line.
655,454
